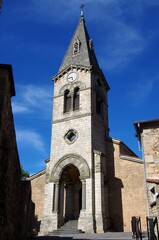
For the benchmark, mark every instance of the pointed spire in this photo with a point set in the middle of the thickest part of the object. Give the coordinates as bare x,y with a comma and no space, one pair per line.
80,51
82,9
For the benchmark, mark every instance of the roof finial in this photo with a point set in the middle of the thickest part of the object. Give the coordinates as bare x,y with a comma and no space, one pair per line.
82,7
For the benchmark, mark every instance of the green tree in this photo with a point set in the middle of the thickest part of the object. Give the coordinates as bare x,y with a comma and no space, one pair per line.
24,174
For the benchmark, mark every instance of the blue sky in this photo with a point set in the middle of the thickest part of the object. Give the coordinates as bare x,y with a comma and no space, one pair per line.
34,36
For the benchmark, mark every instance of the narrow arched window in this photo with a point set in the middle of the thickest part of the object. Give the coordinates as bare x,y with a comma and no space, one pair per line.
76,46
67,101
76,98
99,105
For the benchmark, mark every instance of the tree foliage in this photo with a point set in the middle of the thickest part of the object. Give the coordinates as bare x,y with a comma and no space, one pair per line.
24,174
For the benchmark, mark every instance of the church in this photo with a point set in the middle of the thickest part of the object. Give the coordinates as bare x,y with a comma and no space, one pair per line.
90,178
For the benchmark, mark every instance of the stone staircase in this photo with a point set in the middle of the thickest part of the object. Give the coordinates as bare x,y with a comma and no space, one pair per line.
70,227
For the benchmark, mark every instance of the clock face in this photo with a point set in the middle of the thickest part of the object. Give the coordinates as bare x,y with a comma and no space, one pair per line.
71,77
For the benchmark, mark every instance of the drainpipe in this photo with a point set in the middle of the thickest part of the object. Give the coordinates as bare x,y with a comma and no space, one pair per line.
143,158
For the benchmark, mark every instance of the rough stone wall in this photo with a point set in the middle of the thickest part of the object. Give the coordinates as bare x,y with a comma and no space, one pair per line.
37,186
10,175
27,211
79,120
126,189
150,138
121,179
91,132
150,141
153,201
16,209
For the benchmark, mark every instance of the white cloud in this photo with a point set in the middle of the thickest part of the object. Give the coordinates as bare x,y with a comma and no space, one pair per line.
140,92
122,38
120,41
33,99
121,46
56,11
20,108
30,139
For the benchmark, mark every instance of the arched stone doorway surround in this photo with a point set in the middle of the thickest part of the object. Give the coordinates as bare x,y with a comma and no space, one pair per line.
68,161
74,159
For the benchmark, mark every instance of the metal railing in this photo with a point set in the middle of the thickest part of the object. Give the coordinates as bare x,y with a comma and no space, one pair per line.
136,228
152,228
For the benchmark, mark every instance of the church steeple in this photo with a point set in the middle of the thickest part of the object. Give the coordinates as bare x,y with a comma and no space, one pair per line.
79,138
80,51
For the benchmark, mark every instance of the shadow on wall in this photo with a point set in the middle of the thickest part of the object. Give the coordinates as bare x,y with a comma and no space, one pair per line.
114,192
36,225
27,209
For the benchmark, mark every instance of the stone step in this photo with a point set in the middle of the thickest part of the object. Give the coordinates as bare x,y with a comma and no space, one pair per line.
63,233
70,227
72,223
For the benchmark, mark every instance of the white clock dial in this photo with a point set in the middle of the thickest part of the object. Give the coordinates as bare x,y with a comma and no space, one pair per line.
71,77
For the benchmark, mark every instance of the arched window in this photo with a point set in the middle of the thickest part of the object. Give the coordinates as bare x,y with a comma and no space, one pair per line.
99,105
99,82
76,47
76,98
67,101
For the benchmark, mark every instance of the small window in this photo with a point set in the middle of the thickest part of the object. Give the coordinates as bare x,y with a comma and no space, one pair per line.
76,99
67,101
70,136
99,82
76,47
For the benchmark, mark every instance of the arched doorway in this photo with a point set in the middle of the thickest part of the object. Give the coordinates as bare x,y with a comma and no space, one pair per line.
70,194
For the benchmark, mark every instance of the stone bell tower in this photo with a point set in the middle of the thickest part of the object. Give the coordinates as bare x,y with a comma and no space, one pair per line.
75,174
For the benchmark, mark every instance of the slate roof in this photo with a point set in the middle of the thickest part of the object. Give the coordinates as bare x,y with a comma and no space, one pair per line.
86,56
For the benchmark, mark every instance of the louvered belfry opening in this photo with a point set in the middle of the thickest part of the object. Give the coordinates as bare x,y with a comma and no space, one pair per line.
76,98
67,101
99,105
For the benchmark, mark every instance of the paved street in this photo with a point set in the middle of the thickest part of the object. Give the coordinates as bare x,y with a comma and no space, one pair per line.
104,236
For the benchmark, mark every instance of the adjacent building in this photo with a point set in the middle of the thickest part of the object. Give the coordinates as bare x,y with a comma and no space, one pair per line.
16,209
148,135
10,175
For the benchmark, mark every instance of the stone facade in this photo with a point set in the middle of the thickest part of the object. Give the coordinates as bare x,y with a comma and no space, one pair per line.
89,177
80,154
124,185
126,189
148,135
37,186
16,210
10,175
